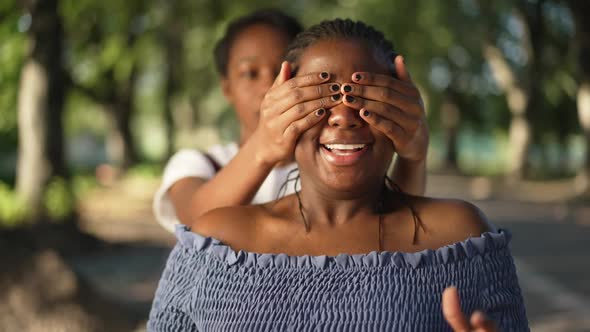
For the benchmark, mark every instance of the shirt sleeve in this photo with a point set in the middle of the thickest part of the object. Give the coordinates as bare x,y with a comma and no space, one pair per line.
184,164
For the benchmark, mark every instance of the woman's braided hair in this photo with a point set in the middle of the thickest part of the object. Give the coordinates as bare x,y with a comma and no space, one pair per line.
342,29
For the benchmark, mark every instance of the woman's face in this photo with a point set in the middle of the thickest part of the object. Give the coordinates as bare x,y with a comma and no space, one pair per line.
343,152
254,61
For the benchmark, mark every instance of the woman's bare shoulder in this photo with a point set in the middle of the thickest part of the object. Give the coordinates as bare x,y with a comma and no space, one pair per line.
452,220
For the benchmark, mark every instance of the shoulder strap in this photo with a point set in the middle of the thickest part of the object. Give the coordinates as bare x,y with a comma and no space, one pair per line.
214,163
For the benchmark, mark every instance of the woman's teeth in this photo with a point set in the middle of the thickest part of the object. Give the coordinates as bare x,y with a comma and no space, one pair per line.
344,146
343,149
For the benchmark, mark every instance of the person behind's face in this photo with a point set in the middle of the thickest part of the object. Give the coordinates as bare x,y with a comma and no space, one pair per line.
249,58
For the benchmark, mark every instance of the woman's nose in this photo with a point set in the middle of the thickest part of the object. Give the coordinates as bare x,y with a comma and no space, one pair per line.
344,117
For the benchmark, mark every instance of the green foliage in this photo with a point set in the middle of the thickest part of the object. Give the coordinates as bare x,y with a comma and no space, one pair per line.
58,199
12,209
108,42
146,170
12,51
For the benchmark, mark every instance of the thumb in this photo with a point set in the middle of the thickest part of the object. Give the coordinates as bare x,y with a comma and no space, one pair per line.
452,310
401,69
284,74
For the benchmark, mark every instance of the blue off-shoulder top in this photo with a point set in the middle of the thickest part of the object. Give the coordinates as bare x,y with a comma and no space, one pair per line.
207,286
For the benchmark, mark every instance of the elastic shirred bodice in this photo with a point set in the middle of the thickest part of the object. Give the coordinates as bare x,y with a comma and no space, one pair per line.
207,286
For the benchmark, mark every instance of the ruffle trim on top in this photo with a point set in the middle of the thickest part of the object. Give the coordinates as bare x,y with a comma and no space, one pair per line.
466,249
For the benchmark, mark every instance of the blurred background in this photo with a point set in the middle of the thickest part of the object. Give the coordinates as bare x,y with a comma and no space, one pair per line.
96,95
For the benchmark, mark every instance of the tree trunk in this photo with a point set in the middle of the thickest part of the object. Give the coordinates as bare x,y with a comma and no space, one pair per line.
519,134
450,118
121,145
173,45
580,11
40,105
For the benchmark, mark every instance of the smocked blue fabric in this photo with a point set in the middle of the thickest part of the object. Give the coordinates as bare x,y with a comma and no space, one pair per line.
207,286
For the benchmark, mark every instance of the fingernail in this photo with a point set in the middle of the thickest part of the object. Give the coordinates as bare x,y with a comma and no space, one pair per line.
324,75
347,88
320,112
350,99
358,77
336,97
366,113
335,87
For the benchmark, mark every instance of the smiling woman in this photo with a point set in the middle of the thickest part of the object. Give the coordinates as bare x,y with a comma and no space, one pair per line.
345,251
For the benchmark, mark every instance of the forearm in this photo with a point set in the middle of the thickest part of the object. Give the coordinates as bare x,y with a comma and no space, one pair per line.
234,184
410,176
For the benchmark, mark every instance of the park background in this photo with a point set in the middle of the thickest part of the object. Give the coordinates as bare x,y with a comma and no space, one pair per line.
96,95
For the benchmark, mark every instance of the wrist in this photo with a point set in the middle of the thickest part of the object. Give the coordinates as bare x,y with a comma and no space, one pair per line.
253,147
411,161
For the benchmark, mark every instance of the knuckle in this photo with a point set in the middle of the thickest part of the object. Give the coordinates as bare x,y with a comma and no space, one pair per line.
377,120
360,89
292,84
390,131
297,94
300,108
319,91
293,129
385,93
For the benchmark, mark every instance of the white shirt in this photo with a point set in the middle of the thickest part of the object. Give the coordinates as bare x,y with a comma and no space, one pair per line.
192,163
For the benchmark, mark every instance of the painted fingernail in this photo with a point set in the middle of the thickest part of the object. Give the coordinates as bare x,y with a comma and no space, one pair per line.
366,113
324,75
335,87
350,99
358,77
320,112
336,97
347,88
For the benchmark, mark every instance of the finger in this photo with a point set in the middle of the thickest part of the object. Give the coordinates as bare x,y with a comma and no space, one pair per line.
296,128
389,128
284,74
400,68
403,87
452,310
385,95
301,110
405,120
302,94
481,323
304,80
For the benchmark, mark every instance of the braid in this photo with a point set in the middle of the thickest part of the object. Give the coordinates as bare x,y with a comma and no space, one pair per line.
342,29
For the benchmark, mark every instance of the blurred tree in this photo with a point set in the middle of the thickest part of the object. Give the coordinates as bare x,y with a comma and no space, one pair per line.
40,105
581,12
104,48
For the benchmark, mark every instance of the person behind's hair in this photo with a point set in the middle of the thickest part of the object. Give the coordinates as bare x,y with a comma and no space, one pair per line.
272,17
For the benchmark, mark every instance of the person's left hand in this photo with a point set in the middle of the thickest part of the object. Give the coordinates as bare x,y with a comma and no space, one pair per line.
393,106
452,311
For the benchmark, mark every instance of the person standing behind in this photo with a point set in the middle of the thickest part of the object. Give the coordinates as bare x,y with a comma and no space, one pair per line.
248,58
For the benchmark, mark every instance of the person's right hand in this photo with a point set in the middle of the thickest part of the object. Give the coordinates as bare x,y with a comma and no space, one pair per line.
478,322
290,107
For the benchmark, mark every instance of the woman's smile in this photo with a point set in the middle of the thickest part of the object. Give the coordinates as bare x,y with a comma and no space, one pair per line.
343,154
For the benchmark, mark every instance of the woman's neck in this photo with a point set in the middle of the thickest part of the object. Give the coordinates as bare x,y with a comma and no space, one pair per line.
331,207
